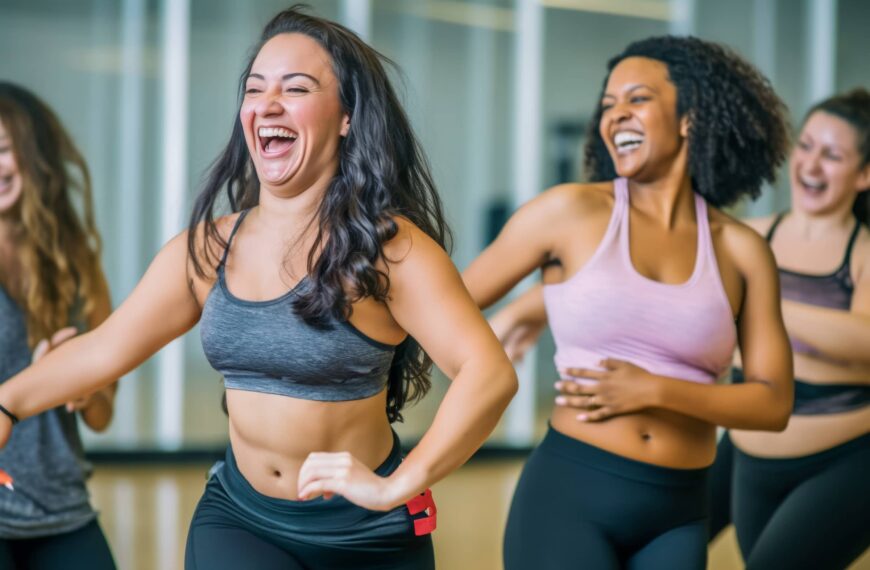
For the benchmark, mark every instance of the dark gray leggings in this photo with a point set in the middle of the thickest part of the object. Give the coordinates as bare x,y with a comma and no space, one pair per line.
720,487
806,512
82,548
578,506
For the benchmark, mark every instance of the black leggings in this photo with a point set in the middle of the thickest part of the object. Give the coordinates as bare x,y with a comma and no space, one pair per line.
808,512
82,548
234,526
720,487
578,506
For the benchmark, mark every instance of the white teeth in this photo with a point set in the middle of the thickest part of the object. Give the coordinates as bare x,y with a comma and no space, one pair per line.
812,185
275,132
627,138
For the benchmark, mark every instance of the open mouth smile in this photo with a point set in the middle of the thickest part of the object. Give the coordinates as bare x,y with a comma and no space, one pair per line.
275,141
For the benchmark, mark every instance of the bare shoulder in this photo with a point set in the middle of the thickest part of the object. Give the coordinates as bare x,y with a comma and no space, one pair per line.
410,241
744,245
205,244
579,198
761,224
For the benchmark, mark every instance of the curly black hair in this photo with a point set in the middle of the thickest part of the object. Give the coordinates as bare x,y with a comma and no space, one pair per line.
738,133
382,174
854,108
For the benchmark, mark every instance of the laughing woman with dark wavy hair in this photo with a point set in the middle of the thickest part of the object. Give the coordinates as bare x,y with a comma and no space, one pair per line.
51,285
316,299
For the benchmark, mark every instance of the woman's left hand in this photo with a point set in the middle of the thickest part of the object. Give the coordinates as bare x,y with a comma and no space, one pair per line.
621,388
328,474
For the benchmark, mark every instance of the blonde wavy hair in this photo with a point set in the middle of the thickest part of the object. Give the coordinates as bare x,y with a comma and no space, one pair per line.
58,248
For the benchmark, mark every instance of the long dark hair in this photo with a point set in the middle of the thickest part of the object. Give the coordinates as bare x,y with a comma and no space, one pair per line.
854,108
57,246
382,174
738,134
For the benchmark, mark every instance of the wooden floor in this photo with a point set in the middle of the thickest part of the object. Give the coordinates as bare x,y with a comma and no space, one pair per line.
145,512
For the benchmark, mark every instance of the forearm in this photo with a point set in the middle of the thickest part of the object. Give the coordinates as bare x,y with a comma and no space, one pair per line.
754,405
78,367
839,335
468,413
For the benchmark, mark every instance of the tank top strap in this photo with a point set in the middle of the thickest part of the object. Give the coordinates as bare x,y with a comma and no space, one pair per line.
707,261
230,239
620,192
621,215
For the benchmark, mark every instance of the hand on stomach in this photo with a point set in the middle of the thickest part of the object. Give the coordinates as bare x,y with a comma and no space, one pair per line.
651,435
273,435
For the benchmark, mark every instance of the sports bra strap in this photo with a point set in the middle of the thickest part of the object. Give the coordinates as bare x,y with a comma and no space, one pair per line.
847,257
773,227
232,235
852,239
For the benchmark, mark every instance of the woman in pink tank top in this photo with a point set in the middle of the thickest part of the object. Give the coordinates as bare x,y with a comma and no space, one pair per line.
655,288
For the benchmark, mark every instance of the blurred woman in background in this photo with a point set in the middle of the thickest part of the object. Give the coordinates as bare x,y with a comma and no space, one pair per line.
799,499
51,287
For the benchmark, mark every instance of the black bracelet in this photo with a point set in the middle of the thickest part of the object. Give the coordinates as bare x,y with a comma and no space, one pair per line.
9,414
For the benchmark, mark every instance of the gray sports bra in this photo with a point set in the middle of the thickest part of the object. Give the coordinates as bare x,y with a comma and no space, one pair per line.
263,346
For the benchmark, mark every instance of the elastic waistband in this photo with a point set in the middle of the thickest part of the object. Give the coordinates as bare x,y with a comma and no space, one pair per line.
860,443
243,492
815,399
602,460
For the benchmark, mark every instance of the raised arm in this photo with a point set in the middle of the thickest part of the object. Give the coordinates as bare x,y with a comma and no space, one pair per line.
161,308
523,245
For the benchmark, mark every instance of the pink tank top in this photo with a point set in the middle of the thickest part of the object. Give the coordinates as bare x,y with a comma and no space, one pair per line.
609,310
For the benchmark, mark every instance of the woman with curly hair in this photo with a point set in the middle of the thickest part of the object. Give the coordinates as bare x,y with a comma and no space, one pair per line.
778,487
51,285
316,298
657,286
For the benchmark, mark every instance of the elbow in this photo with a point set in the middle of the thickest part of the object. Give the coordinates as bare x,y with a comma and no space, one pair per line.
99,425
777,416
778,421
507,381
100,411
